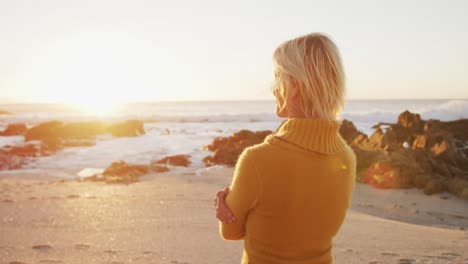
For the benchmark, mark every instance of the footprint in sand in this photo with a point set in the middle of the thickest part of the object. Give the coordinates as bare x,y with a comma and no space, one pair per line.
43,248
110,251
406,261
82,246
443,257
389,254
50,261
8,201
375,262
16,262
177,262
450,254
73,196
32,198
149,253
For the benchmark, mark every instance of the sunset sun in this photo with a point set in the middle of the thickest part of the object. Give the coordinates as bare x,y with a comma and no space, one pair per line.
95,74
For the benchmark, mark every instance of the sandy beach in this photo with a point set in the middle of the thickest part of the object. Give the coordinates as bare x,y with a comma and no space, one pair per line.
169,218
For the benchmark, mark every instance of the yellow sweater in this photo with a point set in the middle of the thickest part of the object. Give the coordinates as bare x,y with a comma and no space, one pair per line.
290,194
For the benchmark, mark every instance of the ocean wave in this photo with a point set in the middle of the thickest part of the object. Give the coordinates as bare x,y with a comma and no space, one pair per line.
450,110
361,111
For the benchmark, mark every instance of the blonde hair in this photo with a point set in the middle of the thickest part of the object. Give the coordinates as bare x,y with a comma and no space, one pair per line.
313,64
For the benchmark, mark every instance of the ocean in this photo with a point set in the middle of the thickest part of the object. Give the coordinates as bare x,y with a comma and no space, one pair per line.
185,127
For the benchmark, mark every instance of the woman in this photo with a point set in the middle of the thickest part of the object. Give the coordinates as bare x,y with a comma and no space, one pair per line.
290,194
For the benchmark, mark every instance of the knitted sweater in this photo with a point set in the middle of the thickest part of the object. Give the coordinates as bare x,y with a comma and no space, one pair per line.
290,194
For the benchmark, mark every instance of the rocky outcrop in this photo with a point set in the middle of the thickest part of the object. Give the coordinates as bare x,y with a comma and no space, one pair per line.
53,130
10,162
58,130
56,135
431,155
122,172
226,150
428,154
176,160
125,173
158,168
49,137
129,128
15,129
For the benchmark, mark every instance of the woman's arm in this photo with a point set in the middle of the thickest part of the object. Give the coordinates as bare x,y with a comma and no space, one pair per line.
223,213
242,197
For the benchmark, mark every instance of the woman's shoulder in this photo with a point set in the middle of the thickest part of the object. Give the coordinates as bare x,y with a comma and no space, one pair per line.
257,149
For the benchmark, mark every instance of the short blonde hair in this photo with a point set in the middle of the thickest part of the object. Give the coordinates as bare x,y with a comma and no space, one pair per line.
313,64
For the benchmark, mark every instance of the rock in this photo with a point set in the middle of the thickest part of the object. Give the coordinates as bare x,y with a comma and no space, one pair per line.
129,128
420,142
381,175
28,150
410,120
56,130
79,143
10,162
433,186
122,172
464,194
226,150
377,139
431,155
158,168
349,132
177,160
83,130
14,129
47,131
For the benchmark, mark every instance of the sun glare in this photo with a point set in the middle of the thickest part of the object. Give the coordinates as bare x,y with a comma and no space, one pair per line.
96,73
96,107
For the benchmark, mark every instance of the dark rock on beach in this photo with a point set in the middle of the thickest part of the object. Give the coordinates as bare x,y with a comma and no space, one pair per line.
49,137
14,129
176,160
122,172
129,128
44,131
431,155
158,168
10,162
126,173
59,130
226,150
83,130
28,150
428,154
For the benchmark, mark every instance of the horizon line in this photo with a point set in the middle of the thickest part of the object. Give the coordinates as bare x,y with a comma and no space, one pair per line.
15,101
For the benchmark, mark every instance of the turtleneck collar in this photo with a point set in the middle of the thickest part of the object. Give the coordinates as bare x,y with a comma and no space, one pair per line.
315,135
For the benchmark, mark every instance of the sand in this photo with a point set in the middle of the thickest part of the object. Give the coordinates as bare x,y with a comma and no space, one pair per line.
169,218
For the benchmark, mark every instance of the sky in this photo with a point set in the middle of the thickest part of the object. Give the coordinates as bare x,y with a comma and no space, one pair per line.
119,51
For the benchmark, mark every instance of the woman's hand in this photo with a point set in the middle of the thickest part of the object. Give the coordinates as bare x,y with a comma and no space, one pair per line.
223,213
